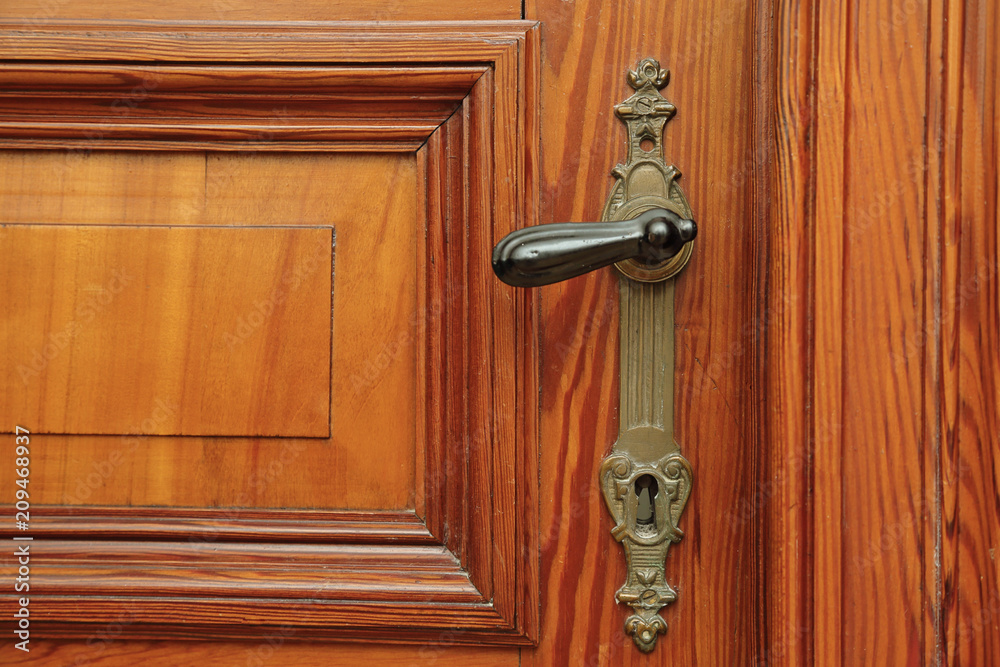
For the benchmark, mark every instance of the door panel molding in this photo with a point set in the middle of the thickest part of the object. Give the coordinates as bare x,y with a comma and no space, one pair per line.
466,559
228,107
210,525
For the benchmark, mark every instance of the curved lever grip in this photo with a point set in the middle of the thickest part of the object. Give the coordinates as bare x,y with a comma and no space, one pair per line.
546,254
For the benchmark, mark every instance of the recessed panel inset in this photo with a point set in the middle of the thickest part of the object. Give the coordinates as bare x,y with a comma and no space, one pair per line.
160,330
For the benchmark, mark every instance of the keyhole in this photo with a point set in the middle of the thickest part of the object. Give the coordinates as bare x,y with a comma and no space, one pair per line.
645,489
647,145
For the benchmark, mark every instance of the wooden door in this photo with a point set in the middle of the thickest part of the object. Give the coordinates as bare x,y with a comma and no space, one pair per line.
281,412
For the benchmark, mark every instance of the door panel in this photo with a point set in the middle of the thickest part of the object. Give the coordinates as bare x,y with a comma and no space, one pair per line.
244,202
331,251
177,356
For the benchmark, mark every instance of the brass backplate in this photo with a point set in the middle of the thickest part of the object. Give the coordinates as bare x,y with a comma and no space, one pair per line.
645,479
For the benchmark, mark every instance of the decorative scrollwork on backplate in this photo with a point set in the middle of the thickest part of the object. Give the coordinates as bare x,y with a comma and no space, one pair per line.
646,542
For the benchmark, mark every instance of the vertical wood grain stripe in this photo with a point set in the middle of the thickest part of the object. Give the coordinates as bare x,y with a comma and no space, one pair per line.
788,306
827,350
970,458
941,392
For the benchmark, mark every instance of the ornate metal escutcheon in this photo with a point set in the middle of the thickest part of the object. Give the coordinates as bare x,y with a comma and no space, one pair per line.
647,232
645,479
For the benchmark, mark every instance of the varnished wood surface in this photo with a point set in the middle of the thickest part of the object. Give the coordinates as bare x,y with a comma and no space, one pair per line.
717,568
411,269
968,212
332,40
874,176
39,12
885,404
277,647
837,333
177,307
266,108
374,306
240,524
171,570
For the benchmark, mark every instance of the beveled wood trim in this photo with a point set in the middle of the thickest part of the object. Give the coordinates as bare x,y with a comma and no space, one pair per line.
353,83
197,569
261,107
482,455
228,525
291,41
33,12
477,505
243,590
780,99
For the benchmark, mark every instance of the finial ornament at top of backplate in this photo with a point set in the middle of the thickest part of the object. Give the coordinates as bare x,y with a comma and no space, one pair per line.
648,73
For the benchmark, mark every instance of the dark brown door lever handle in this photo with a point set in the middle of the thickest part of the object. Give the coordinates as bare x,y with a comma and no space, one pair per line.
547,254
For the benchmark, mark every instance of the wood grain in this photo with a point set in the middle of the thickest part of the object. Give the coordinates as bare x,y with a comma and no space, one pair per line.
587,49
315,572
898,423
277,647
408,237
263,107
966,126
358,42
179,310
40,12
207,525
828,353
369,461
837,329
